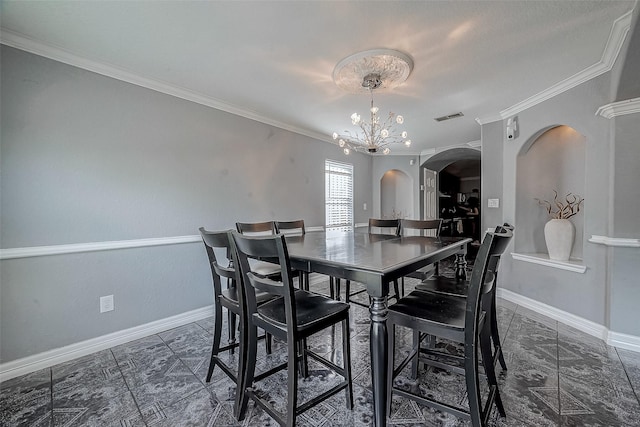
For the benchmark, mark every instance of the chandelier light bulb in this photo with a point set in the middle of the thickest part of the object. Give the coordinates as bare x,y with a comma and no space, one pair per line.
375,133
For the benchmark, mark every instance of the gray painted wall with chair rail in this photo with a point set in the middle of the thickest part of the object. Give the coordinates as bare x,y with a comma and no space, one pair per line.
608,292
86,158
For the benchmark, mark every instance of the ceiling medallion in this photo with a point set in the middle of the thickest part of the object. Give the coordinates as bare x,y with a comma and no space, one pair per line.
392,66
366,72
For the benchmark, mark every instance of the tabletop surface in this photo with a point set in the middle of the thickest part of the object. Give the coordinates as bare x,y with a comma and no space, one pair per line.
373,252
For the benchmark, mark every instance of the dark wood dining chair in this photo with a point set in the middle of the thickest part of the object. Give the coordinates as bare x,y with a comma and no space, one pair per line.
222,268
293,317
295,228
376,227
444,285
263,228
418,227
461,320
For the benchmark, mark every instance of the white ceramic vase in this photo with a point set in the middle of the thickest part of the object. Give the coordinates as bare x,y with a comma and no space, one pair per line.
559,235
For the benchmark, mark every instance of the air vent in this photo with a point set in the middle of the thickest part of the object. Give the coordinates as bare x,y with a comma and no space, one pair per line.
448,117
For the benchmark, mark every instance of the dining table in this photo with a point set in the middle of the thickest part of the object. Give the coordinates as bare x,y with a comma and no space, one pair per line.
374,260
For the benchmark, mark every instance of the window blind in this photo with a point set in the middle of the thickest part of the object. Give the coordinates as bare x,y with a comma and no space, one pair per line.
338,195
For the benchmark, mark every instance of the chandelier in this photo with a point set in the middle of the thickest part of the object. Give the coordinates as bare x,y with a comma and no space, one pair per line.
367,71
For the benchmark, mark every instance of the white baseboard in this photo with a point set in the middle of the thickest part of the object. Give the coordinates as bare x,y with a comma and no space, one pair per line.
28,364
616,339
628,342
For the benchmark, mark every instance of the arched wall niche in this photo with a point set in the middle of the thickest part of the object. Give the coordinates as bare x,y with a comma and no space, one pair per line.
396,194
552,159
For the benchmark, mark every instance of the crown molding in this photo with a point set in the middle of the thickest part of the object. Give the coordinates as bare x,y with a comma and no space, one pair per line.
18,41
488,119
620,108
612,49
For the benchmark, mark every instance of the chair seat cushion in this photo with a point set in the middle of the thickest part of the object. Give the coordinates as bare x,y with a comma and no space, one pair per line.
444,285
442,310
264,268
314,312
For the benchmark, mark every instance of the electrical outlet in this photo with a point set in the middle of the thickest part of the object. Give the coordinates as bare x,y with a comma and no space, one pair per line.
493,203
106,303
364,206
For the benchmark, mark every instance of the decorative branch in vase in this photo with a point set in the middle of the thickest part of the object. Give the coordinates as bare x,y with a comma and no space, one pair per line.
564,209
559,232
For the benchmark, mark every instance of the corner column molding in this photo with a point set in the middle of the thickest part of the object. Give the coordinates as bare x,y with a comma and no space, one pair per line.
620,108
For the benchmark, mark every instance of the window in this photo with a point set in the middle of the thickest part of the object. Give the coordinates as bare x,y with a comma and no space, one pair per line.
338,195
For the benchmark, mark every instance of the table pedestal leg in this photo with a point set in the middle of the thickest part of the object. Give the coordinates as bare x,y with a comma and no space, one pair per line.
379,348
461,266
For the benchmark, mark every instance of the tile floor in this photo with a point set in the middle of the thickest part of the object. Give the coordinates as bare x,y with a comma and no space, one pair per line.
557,376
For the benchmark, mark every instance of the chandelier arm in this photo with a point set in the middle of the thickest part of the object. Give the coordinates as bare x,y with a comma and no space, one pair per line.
375,134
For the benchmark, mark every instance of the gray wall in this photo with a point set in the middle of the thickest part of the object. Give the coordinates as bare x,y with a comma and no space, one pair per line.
575,108
492,181
86,158
625,289
608,292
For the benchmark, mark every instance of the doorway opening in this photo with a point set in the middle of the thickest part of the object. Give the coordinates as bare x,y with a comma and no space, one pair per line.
456,196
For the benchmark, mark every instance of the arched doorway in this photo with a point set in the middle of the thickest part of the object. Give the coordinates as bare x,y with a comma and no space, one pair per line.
457,175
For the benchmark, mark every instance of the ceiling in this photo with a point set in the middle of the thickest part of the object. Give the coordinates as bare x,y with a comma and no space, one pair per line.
273,60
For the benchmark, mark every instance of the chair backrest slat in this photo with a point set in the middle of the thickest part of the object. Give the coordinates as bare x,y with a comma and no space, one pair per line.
428,227
384,226
291,227
264,228
218,240
273,248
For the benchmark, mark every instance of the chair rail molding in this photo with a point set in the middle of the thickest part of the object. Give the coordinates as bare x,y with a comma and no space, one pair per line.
35,251
574,265
620,108
615,241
